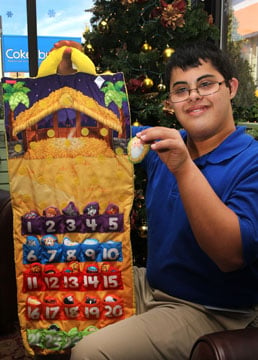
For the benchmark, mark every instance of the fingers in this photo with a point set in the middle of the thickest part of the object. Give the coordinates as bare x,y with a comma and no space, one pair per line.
66,66
161,139
158,133
67,54
69,43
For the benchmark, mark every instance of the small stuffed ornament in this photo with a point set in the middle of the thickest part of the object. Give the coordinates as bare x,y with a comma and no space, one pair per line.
71,184
137,150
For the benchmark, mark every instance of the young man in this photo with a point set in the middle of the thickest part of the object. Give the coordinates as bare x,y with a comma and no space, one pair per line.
201,200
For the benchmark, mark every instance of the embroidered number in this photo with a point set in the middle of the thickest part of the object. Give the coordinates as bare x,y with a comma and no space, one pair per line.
70,225
53,341
52,282
91,281
71,255
51,312
50,226
33,313
29,227
91,224
113,311
32,283
31,257
113,223
71,312
90,253
92,312
71,282
110,254
110,281
52,254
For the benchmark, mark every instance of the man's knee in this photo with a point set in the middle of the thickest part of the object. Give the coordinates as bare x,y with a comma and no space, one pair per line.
87,349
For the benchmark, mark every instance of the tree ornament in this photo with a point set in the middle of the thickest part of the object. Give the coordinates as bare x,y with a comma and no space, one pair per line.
147,83
127,2
172,15
103,26
167,53
161,87
86,31
98,69
168,108
146,47
135,84
143,230
88,48
136,123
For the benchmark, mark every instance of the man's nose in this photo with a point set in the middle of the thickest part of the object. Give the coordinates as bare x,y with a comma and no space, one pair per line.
194,93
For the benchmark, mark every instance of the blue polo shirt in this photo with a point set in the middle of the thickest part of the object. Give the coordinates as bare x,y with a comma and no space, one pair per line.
176,264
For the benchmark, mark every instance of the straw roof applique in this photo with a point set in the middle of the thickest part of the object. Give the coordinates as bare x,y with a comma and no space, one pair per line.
66,97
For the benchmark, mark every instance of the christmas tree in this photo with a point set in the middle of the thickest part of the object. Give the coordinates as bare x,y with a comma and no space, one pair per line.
137,37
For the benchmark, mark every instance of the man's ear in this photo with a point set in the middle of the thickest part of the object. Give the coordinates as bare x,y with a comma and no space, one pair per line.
233,83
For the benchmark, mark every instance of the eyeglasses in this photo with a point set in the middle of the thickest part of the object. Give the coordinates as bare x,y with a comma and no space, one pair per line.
182,93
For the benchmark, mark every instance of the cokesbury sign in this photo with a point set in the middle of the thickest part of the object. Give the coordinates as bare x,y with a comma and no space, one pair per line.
16,55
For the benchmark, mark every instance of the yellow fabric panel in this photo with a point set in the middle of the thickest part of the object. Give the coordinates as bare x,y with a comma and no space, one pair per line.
74,272
37,184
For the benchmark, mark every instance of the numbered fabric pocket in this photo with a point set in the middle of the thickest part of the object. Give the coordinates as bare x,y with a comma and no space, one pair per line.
51,251
31,250
52,225
91,277
32,279
111,251
71,307
90,249
33,308
112,223
72,280
52,278
113,307
92,308
51,308
71,224
111,278
71,250
31,223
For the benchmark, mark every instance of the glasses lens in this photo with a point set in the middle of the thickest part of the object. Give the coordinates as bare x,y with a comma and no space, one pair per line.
179,94
204,89
208,88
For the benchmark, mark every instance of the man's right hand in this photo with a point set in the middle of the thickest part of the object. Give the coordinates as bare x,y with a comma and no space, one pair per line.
66,66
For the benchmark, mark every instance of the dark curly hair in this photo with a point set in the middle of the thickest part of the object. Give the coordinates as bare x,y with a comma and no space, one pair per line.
190,54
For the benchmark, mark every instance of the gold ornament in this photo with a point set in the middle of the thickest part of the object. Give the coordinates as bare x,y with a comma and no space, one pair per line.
103,26
168,108
136,123
86,31
146,47
147,83
161,87
143,230
88,48
107,72
167,53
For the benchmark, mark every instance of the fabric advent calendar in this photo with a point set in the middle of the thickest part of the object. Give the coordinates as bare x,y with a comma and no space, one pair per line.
71,185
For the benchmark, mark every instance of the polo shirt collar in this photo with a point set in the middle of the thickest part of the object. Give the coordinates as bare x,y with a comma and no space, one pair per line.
234,144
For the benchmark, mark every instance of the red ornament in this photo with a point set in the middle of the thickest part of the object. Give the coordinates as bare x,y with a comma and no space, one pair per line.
135,84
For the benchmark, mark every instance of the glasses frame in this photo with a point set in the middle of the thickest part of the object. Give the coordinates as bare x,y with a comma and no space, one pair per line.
197,90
